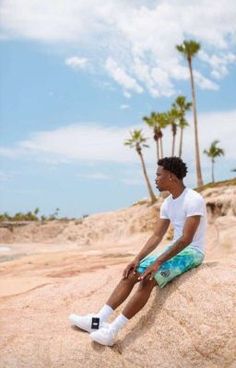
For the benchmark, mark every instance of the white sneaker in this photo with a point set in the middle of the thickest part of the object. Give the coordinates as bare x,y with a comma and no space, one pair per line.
104,336
89,322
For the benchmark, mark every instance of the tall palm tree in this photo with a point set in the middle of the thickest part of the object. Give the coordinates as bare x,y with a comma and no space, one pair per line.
137,141
214,152
157,121
162,124
182,106
152,123
182,125
189,49
172,119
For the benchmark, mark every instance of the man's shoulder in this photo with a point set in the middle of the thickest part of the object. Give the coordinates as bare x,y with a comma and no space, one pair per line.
167,199
193,194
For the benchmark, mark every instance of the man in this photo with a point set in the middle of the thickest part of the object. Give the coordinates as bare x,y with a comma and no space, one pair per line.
185,209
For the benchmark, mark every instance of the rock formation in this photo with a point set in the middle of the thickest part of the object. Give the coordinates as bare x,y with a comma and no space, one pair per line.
50,270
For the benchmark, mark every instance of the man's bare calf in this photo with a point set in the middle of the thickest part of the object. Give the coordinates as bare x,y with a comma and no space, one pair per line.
122,290
138,300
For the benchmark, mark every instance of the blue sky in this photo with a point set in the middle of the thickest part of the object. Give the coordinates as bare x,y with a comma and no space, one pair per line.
78,76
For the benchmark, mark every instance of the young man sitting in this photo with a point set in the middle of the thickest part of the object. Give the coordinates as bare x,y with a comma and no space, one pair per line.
185,209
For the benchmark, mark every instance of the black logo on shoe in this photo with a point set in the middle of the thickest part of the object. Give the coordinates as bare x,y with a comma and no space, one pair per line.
95,323
165,273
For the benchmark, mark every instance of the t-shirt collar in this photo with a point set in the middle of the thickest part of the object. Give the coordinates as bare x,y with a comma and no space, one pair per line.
175,199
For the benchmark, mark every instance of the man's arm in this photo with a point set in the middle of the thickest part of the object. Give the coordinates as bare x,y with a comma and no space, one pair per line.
159,231
190,227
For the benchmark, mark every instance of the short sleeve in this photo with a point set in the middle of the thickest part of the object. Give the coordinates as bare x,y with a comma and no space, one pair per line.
163,211
196,207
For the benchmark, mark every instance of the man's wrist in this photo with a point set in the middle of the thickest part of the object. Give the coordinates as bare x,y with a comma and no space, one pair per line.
137,259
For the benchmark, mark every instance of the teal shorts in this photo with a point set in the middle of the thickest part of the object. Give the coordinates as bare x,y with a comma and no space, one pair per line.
185,260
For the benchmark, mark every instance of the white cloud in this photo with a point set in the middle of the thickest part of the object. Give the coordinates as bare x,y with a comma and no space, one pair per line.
127,94
65,21
133,182
90,143
5,176
213,125
134,40
53,161
81,142
124,107
76,62
11,152
205,83
95,176
219,63
3,37
122,77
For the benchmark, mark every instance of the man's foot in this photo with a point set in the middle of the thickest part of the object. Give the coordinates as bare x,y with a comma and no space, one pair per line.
104,336
89,323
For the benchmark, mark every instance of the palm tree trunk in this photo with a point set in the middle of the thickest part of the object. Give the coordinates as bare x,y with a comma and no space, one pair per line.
197,154
158,149
150,191
173,146
212,170
161,146
181,141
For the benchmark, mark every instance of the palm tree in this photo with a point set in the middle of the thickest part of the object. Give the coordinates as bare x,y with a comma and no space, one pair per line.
152,123
172,119
137,141
214,152
157,121
57,212
36,211
162,124
181,106
189,49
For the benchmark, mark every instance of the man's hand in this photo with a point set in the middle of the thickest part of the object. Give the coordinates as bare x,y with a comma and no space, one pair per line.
131,267
149,273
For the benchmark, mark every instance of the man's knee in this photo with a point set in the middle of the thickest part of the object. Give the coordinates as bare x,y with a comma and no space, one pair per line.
147,285
132,277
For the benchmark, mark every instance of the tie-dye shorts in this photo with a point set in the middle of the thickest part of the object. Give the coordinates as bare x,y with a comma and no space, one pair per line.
185,260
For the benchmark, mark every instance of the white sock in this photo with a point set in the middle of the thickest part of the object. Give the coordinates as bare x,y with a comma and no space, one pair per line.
119,322
105,312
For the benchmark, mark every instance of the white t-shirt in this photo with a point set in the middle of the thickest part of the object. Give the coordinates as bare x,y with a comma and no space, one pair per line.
189,203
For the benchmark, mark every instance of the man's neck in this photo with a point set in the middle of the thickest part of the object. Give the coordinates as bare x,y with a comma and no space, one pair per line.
177,190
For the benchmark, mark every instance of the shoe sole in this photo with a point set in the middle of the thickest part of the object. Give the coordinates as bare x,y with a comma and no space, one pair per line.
100,341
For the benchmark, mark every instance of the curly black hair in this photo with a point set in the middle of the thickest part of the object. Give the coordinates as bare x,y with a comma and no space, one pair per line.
174,165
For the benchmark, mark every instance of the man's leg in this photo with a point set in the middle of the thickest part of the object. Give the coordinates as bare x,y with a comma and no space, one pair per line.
139,299
122,290
107,335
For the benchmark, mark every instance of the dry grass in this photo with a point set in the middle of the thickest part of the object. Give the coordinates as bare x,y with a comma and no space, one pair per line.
217,184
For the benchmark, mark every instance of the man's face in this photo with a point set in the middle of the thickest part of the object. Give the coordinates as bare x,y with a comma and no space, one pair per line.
162,179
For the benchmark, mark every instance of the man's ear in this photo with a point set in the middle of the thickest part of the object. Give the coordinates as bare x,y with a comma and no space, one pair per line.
173,177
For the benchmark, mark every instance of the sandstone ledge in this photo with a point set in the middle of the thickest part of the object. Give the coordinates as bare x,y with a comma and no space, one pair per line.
189,323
